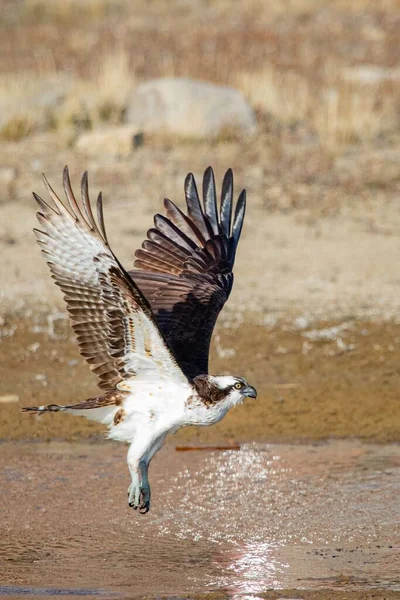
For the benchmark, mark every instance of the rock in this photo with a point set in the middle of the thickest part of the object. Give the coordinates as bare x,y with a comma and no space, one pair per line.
9,398
115,141
7,175
187,108
52,93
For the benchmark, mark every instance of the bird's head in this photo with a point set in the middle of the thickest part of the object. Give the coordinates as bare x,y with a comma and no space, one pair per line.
226,388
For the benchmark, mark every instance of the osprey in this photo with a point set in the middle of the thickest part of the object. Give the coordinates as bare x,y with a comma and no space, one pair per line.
146,333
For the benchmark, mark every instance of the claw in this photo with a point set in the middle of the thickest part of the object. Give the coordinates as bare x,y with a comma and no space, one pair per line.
144,509
144,500
139,499
133,496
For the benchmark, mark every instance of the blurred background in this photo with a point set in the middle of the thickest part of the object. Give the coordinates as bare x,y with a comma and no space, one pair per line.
301,98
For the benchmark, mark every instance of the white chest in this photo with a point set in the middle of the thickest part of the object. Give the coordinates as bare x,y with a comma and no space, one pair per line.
201,414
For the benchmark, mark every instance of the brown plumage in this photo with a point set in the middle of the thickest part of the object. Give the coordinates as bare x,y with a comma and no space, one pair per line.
119,416
184,268
208,391
111,398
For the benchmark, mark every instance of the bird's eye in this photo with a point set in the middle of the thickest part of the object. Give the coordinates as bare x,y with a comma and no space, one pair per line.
238,385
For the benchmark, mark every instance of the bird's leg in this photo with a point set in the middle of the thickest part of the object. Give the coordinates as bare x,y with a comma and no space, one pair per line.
139,490
145,487
134,488
139,457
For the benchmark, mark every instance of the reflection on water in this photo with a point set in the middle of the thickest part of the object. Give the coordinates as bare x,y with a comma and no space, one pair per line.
252,569
293,515
241,521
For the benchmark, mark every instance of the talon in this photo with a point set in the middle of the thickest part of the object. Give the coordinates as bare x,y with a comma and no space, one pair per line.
144,500
139,497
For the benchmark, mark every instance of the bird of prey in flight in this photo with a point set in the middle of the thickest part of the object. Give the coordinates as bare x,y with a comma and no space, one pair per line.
146,333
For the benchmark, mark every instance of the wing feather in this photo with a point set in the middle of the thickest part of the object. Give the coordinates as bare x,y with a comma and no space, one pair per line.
226,203
111,318
173,232
195,211
184,268
210,199
188,227
240,212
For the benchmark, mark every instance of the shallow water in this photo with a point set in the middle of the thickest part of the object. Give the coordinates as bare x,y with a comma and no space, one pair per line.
265,516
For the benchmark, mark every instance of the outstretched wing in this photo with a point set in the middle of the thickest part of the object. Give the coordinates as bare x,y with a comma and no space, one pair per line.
113,322
185,268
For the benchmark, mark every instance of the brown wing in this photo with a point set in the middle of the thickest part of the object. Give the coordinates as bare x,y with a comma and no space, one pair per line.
113,322
185,268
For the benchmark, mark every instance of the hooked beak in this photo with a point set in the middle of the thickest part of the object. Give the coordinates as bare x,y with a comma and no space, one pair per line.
250,392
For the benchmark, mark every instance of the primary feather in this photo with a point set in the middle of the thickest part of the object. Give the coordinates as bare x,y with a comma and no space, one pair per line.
111,318
184,268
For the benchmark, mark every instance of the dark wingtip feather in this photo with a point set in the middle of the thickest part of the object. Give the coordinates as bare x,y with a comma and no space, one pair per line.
191,193
189,179
59,205
194,209
70,194
86,202
100,217
240,212
85,184
65,173
66,180
43,205
210,199
226,203
208,173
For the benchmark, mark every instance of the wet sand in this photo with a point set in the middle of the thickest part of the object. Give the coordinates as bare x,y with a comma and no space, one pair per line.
234,524
316,380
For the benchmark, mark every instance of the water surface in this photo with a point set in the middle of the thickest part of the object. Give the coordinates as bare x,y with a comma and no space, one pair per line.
266,516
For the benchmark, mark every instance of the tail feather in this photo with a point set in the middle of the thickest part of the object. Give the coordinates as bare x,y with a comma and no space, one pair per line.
110,398
38,410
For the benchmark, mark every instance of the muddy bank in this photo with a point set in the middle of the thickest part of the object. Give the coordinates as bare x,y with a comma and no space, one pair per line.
315,380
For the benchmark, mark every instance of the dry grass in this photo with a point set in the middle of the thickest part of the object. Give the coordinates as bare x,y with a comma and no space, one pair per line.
347,112
30,103
101,99
288,59
284,94
69,11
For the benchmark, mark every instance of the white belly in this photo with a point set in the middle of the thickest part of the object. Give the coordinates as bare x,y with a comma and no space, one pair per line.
157,408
